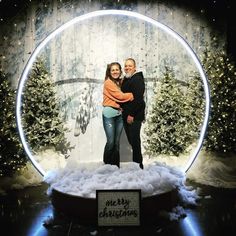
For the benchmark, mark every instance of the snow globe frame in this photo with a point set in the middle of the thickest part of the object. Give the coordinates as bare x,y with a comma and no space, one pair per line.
84,203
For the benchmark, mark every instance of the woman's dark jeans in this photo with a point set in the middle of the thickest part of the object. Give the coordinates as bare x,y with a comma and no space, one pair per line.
113,128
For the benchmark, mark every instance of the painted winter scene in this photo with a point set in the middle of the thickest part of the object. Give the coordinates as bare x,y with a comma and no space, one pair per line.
61,114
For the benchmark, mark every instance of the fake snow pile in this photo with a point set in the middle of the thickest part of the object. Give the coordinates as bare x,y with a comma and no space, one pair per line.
84,179
216,170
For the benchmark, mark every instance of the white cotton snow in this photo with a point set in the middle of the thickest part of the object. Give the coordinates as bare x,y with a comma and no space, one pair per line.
214,170
83,179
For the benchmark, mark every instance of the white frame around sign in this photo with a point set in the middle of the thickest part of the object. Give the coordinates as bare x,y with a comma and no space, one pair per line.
118,207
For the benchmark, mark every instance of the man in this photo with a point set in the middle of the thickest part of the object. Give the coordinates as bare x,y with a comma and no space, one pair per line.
134,111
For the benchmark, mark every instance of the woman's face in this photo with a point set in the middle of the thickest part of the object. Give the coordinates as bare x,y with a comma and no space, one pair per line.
115,72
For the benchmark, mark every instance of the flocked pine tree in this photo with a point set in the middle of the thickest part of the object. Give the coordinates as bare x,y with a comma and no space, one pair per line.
221,73
173,121
12,157
43,124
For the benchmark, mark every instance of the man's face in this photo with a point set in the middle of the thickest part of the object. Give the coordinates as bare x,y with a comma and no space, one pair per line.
129,68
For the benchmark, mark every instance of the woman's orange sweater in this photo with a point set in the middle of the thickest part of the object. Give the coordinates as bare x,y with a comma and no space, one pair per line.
112,95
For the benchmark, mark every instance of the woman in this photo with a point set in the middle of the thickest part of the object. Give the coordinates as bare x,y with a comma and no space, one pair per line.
112,119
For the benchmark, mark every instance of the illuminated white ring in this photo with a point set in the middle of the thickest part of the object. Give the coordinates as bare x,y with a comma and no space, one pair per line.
103,13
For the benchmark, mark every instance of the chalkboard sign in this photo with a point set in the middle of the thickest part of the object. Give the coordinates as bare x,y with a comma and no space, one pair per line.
118,207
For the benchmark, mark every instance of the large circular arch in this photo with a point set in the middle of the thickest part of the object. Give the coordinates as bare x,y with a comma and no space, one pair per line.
94,14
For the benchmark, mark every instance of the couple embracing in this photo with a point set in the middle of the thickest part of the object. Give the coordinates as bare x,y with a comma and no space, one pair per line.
123,107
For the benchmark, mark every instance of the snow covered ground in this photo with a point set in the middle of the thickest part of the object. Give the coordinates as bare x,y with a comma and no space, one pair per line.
214,170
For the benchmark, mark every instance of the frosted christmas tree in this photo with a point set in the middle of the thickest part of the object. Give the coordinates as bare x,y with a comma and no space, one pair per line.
43,124
175,115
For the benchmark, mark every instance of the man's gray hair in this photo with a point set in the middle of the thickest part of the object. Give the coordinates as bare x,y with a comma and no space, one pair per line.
131,59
